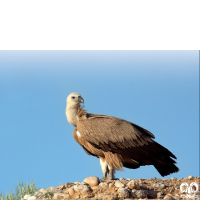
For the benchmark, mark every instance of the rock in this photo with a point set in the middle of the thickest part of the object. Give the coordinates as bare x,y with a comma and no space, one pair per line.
58,196
32,198
133,185
152,194
61,187
133,193
168,197
104,185
71,191
141,194
119,184
159,185
143,187
190,177
27,196
128,179
52,189
111,185
123,193
106,197
81,188
77,182
92,180
160,195
68,184
123,180
173,178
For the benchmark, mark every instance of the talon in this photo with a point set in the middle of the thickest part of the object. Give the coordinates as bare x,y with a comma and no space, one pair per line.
104,179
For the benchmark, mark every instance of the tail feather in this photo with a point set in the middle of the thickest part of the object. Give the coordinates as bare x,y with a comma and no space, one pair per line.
165,166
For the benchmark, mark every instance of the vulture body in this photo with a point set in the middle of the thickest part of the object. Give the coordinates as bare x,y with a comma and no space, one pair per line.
116,142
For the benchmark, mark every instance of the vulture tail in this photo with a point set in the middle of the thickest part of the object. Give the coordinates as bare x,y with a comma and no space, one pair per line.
165,166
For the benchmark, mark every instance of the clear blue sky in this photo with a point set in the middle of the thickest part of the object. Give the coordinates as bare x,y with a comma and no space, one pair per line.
158,90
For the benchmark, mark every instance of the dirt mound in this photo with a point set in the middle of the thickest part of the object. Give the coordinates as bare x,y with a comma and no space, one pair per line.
94,189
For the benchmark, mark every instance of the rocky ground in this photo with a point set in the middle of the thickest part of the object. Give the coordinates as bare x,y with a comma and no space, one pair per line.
94,189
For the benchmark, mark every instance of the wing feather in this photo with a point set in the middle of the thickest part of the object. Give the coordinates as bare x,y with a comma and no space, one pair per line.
120,136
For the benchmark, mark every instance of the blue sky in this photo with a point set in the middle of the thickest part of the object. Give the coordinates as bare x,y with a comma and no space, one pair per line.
158,90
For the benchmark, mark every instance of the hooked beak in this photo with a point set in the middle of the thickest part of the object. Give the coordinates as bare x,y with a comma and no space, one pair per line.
80,99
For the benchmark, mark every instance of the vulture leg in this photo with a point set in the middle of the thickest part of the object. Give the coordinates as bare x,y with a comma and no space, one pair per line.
111,173
104,167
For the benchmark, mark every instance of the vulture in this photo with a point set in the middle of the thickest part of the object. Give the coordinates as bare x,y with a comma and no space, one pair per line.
116,142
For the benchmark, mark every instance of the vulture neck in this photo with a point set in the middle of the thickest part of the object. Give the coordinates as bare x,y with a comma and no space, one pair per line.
71,113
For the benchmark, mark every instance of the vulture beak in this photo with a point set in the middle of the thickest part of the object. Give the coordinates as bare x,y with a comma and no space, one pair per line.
80,99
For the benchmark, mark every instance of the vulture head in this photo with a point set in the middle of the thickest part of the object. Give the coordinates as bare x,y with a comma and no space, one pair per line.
74,99
73,103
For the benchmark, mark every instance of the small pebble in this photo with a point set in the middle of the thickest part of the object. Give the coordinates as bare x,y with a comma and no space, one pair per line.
104,185
141,194
119,184
123,193
81,188
77,182
190,177
173,178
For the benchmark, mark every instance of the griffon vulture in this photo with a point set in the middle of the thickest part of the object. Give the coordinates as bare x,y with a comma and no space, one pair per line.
116,142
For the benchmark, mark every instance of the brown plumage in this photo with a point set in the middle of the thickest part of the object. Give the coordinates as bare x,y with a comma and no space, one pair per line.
116,142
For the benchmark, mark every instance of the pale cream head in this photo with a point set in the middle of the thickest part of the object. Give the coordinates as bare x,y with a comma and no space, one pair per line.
73,101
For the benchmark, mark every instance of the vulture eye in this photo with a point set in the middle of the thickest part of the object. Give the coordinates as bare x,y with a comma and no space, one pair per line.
73,97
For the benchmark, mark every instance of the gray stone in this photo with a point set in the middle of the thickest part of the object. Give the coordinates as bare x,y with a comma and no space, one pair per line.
133,185
159,185
92,180
152,194
173,178
133,193
104,185
123,193
119,184
81,188
190,177
141,194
